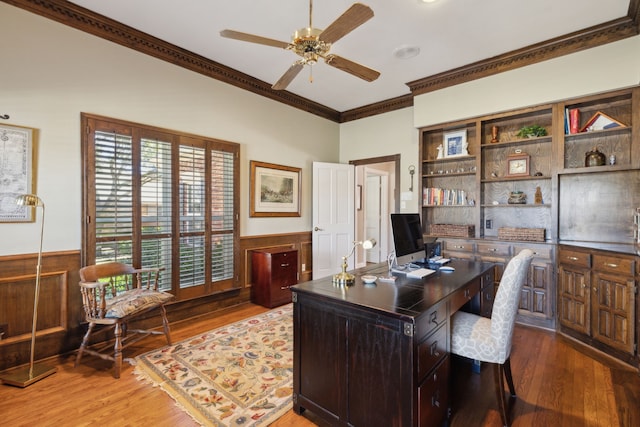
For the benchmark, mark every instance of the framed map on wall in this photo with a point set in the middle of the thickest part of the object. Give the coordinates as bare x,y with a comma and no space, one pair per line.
16,170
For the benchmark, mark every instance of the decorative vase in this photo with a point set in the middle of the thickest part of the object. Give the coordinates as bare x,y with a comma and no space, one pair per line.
594,158
494,134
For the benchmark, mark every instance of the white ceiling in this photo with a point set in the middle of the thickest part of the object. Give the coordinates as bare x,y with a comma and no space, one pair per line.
449,34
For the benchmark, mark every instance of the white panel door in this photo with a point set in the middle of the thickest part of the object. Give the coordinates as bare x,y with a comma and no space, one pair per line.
333,217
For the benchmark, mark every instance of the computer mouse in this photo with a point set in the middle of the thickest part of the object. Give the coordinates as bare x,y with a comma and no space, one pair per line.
446,268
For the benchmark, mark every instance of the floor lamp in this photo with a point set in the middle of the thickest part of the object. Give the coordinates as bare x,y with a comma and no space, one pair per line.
26,376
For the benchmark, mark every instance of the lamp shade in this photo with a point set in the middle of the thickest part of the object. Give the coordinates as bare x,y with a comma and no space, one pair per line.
29,200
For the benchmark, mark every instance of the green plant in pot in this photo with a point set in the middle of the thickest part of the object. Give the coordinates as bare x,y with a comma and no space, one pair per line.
531,131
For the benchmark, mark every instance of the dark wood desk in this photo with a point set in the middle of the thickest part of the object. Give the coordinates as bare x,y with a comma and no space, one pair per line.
378,355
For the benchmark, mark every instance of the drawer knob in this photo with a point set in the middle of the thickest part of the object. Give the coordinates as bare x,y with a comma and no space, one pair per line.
608,264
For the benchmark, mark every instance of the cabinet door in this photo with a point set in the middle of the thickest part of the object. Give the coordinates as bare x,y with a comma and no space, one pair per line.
575,298
613,311
537,294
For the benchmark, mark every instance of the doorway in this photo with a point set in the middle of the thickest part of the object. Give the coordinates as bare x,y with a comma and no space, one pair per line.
377,196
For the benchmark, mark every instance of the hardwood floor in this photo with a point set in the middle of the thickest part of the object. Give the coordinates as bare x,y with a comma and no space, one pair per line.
557,385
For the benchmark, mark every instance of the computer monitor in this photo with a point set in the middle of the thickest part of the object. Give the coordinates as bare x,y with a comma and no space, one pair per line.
407,238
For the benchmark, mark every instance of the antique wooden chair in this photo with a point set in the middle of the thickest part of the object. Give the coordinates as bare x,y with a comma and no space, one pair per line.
113,294
489,340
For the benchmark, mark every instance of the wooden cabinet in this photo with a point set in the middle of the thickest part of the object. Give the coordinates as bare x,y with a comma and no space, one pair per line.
538,296
597,293
274,271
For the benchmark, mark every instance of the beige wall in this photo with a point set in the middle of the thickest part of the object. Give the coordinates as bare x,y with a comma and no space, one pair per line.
50,73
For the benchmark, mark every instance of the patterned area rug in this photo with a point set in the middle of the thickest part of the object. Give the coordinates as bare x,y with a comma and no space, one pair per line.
237,375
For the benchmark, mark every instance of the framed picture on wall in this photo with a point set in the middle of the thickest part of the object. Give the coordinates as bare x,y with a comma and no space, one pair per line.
275,190
16,158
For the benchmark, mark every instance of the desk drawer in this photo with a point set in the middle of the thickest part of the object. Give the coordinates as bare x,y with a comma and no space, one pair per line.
464,295
433,396
434,318
431,351
613,264
568,256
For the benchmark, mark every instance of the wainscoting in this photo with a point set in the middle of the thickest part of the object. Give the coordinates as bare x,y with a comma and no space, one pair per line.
61,322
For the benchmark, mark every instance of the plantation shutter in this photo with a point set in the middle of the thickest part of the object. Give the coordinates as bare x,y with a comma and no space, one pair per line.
154,198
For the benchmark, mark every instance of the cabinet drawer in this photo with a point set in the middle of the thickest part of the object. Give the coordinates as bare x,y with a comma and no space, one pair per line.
435,317
431,351
613,264
464,295
538,252
433,396
494,249
567,256
458,246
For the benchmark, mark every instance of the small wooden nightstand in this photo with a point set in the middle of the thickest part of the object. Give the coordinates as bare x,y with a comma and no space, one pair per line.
274,271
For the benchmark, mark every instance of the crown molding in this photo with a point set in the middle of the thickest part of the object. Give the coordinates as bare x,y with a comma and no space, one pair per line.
570,43
90,22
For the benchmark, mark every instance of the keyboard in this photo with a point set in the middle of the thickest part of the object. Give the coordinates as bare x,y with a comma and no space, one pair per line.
419,273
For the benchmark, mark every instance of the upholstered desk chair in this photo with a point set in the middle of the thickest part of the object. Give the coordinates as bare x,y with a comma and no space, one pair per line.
489,340
113,294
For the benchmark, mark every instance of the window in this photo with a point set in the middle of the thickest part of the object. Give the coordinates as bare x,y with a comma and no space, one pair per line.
158,198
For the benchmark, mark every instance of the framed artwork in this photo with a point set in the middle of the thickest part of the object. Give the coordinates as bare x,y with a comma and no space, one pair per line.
16,158
518,165
274,190
455,144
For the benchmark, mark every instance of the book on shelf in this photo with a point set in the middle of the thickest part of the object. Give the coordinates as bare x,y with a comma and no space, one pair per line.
574,120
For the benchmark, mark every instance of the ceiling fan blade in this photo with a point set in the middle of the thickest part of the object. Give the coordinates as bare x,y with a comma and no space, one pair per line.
351,19
351,67
288,76
245,37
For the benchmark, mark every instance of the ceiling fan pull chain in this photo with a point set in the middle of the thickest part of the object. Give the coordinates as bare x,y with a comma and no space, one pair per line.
310,73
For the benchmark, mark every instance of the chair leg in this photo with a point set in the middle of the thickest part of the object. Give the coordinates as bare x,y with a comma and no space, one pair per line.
507,374
117,351
85,342
498,375
165,324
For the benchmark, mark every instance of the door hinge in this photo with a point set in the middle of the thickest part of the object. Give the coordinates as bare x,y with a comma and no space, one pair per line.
409,329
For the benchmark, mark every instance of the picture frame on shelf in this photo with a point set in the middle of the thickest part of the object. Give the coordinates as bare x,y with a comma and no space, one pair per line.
518,165
16,151
455,143
601,121
274,190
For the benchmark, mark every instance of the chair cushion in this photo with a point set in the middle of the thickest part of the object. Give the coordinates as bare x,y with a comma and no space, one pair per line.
471,337
133,301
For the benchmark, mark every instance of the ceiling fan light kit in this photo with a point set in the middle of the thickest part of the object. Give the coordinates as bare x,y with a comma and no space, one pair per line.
312,43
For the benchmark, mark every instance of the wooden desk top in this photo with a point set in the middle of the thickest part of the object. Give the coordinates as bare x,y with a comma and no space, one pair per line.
406,297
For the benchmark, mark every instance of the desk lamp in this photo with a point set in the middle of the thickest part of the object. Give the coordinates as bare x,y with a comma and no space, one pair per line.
347,279
24,377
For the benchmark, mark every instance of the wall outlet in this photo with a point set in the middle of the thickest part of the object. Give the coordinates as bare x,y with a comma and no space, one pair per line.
488,224
304,266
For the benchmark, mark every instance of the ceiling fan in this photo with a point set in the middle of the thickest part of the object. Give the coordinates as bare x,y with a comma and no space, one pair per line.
312,43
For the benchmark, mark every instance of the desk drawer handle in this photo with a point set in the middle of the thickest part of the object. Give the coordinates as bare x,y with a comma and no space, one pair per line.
458,247
434,349
493,249
608,264
434,317
572,258
284,265
284,288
